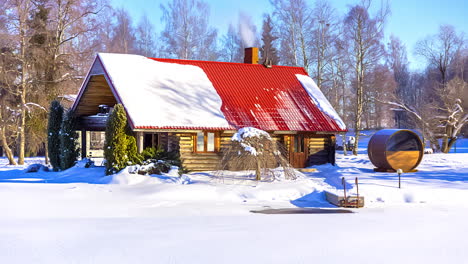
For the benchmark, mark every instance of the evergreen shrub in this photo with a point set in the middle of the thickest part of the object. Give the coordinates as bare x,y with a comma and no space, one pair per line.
53,134
120,149
68,144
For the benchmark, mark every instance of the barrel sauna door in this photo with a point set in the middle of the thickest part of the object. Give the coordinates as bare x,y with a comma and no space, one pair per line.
298,151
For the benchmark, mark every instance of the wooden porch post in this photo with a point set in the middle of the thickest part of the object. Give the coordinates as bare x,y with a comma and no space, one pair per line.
332,149
139,138
83,143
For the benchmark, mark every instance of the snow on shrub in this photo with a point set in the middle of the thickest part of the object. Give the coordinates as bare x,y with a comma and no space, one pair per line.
248,138
149,168
152,154
255,149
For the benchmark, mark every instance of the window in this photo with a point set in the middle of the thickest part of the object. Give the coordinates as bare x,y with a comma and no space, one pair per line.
97,140
150,140
205,142
200,142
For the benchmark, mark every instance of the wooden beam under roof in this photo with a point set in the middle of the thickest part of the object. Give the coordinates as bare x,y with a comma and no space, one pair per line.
97,92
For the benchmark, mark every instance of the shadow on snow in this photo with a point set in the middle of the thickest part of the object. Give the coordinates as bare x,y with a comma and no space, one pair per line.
94,175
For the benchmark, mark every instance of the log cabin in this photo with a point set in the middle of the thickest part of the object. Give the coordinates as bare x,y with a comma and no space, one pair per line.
194,107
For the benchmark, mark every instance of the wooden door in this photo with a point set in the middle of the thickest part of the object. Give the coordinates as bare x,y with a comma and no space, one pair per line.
298,151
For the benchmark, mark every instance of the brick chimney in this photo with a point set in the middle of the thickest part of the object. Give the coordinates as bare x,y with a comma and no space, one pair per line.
251,55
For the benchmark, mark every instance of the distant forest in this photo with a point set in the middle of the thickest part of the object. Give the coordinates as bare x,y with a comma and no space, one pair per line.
47,47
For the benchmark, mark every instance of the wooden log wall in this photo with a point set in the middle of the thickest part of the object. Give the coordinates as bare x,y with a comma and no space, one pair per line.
205,161
196,161
320,147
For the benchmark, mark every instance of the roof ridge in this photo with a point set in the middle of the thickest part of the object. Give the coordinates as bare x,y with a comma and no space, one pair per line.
225,62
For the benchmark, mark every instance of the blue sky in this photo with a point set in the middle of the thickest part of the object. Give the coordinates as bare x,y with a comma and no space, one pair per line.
410,20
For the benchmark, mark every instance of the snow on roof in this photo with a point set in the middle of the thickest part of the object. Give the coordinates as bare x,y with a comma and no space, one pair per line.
319,99
171,94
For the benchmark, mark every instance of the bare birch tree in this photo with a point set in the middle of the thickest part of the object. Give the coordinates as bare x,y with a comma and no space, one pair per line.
186,33
8,111
18,11
123,33
232,47
293,18
324,34
398,62
146,38
439,120
43,34
440,50
365,35
8,73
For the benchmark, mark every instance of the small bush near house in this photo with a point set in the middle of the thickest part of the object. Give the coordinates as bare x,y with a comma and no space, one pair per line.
68,145
53,134
157,167
152,153
163,161
173,157
120,148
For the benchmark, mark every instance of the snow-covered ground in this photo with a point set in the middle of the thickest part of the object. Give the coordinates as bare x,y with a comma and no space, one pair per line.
81,216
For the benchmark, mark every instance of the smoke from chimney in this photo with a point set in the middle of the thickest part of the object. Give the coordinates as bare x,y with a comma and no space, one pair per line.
246,29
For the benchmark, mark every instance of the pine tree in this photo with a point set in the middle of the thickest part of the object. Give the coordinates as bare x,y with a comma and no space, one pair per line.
269,51
53,134
120,149
68,145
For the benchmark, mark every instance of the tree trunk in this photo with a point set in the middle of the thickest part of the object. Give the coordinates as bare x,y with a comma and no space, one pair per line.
451,142
446,138
23,93
257,171
22,128
6,148
435,146
359,109
343,139
46,153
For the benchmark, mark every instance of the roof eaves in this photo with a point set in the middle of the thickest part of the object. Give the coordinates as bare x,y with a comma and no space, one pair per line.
83,86
114,91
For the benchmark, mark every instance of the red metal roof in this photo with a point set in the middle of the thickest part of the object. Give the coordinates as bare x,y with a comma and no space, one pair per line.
266,98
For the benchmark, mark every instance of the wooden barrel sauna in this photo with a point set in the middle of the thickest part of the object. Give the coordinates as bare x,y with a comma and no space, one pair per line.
393,149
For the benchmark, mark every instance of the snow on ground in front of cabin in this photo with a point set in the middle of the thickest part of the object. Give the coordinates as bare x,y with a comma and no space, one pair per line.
161,94
319,99
82,216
